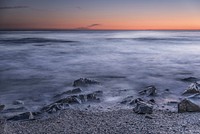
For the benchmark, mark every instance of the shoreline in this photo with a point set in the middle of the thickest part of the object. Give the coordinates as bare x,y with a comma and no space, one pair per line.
119,121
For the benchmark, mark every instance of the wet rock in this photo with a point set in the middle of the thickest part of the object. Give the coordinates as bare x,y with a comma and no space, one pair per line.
187,105
2,107
149,91
23,116
69,100
192,89
190,79
84,82
18,102
73,91
143,108
52,108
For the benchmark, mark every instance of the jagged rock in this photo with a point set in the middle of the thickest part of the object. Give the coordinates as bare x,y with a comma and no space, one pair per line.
18,102
23,116
143,108
2,107
190,79
149,91
192,89
52,108
73,91
188,105
84,82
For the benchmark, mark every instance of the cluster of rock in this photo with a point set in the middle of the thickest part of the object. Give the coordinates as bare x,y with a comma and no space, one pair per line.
142,106
74,96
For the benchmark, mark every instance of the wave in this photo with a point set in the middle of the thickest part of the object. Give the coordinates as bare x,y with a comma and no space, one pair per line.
35,40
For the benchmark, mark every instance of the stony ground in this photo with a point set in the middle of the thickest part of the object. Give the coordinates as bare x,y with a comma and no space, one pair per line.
121,121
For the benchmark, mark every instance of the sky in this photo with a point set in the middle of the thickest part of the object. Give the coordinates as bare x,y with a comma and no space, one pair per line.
100,14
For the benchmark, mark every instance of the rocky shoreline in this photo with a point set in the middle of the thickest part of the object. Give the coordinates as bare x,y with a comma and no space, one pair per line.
144,106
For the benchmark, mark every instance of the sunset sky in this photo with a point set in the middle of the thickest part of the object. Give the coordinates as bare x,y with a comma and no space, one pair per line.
100,14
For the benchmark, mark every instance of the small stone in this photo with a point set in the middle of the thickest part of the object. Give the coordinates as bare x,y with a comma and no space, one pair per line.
149,91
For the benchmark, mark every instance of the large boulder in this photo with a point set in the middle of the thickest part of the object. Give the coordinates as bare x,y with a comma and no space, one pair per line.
84,82
143,108
149,91
187,105
23,116
192,89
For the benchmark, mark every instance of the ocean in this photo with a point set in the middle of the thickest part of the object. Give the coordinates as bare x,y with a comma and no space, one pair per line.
37,65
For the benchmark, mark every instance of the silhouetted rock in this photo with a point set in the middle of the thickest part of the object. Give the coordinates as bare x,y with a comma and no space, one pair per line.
190,79
192,89
149,91
23,116
84,82
143,108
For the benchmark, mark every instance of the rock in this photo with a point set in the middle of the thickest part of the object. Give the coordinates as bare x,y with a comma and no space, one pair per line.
149,91
69,100
18,102
23,116
190,79
73,91
192,89
143,108
84,82
188,105
52,108
134,101
2,107
152,101
127,99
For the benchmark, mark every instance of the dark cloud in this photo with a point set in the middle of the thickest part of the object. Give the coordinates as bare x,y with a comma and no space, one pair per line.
88,27
13,7
94,25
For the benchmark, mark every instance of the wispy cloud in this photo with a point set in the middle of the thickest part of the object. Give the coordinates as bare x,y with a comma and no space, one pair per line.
88,27
12,7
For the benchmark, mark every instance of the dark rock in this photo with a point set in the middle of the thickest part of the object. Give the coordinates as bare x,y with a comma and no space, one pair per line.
192,89
152,101
52,108
149,91
2,107
69,100
143,108
84,82
134,101
18,102
190,79
73,91
23,116
187,105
